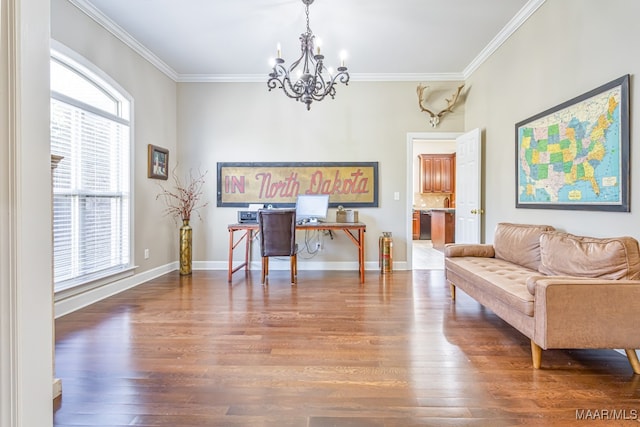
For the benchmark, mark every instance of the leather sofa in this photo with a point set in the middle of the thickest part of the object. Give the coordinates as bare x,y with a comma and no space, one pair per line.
560,290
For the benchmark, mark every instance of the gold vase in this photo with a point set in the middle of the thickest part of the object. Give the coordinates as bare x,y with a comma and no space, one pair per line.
185,248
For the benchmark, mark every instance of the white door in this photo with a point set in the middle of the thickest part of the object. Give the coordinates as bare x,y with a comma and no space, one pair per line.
468,196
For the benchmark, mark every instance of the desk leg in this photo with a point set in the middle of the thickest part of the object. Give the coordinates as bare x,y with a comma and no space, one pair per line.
359,242
361,253
247,251
230,273
248,234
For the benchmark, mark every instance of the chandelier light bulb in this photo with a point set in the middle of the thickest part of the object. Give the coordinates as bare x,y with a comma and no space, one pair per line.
343,56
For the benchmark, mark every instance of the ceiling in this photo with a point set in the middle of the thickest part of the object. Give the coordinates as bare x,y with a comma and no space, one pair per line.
233,40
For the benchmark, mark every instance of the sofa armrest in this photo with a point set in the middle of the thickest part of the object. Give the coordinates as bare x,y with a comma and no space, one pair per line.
533,280
574,312
468,249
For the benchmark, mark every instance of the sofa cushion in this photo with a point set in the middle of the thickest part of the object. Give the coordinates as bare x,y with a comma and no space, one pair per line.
519,243
495,278
605,258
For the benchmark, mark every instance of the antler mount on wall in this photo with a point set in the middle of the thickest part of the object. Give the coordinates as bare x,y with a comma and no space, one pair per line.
434,118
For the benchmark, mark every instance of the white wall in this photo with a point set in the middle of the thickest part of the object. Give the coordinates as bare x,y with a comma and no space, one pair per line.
566,48
244,122
222,122
154,122
25,216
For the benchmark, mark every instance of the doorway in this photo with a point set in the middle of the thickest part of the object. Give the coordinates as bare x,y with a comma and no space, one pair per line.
420,253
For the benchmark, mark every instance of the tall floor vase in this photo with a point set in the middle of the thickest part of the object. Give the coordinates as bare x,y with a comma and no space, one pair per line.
185,248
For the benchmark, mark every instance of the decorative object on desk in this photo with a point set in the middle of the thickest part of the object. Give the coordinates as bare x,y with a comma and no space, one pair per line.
576,155
182,202
313,81
435,117
157,162
346,215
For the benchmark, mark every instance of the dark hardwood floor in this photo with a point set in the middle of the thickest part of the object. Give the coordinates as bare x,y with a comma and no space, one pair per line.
394,351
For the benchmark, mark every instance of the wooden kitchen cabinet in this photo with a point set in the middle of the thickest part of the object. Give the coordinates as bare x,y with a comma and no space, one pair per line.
437,173
415,222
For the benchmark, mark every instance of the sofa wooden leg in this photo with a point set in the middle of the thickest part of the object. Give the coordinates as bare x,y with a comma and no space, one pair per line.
452,287
536,355
633,360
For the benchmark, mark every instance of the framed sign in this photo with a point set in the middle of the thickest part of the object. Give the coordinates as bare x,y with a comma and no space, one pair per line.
349,184
157,162
576,155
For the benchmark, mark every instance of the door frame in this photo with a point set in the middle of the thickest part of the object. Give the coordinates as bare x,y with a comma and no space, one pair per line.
411,137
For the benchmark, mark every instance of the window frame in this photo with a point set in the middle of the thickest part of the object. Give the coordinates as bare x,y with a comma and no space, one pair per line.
106,84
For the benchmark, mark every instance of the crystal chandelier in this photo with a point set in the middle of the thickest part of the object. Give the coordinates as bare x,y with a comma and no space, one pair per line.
313,81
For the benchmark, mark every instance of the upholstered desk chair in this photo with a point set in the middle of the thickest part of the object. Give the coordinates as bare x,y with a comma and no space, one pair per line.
278,238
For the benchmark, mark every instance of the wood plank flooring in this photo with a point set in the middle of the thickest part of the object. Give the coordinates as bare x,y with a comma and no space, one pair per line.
394,351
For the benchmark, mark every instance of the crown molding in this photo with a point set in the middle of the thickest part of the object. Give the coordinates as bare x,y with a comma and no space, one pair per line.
405,77
223,78
127,39
511,27
109,25
353,77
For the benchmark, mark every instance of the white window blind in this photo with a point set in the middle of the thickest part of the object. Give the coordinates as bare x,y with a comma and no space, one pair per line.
91,185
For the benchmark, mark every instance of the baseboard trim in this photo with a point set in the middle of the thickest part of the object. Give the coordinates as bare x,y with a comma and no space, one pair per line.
76,302
276,264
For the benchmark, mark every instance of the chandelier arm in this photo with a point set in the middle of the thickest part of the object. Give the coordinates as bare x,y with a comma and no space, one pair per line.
325,87
292,90
297,62
279,78
275,75
321,87
328,89
342,77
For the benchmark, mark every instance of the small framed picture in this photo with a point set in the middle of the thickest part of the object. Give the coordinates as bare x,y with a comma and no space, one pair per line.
158,162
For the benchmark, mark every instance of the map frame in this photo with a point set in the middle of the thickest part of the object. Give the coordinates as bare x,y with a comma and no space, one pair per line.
575,108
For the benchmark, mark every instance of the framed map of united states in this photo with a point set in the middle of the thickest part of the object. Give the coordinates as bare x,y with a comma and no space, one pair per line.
576,155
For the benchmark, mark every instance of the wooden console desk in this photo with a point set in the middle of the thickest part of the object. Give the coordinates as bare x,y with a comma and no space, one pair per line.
354,230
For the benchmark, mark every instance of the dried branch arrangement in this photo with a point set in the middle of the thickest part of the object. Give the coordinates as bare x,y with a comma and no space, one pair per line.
184,198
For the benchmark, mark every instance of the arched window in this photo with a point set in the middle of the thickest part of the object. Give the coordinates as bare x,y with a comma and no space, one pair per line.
90,128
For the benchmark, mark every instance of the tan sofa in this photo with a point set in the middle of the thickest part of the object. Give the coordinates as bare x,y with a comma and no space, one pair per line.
561,291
